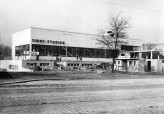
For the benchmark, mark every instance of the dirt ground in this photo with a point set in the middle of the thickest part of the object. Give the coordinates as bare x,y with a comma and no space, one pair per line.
82,93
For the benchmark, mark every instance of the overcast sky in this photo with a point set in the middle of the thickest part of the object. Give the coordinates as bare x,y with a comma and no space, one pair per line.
87,16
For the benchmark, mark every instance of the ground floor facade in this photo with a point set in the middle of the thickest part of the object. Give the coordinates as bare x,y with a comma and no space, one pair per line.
29,65
139,65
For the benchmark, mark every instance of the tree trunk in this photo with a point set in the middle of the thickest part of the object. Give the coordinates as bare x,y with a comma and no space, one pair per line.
113,65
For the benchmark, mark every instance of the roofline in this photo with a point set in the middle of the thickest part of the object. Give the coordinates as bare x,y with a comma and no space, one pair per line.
148,51
67,32
64,31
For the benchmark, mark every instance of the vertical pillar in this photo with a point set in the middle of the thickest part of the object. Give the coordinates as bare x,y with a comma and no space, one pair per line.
151,55
59,50
105,53
66,51
158,55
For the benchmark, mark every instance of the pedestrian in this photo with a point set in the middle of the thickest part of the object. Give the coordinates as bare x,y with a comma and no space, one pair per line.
57,59
80,58
77,57
60,58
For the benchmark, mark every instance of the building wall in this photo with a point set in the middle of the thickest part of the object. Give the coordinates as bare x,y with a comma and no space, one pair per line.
156,65
71,58
42,64
71,38
159,65
12,66
20,38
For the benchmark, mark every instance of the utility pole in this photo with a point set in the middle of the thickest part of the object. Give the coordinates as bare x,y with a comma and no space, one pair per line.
0,37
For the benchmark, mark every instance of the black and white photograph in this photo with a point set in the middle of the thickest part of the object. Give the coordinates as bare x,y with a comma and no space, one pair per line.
81,56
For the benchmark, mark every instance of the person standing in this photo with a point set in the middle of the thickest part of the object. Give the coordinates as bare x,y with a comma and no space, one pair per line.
80,58
60,58
77,57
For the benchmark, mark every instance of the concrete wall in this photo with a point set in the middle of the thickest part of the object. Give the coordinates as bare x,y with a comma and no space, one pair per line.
20,38
159,65
141,65
71,58
156,65
71,38
13,66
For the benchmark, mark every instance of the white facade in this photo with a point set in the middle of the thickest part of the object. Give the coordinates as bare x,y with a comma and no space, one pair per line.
20,38
70,38
13,66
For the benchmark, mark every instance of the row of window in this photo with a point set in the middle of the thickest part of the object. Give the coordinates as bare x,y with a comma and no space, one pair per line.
71,64
35,64
46,50
116,62
13,67
48,41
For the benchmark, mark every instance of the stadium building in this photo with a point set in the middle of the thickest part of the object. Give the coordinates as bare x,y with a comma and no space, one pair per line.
45,48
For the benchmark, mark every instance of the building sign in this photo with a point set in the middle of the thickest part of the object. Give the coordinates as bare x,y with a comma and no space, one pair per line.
26,52
124,55
32,53
48,41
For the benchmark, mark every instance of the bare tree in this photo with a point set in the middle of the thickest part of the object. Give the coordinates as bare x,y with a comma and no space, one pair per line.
5,51
116,35
148,46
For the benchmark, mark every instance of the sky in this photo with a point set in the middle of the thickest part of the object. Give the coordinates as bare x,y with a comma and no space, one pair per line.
86,16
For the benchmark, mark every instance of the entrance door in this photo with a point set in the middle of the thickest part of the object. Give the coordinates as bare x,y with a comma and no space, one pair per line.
149,65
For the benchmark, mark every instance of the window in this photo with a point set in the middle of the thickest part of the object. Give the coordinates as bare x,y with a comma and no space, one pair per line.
162,61
28,64
10,67
13,67
130,62
35,64
44,64
68,64
118,62
122,54
134,63
16,67
114,62
33,40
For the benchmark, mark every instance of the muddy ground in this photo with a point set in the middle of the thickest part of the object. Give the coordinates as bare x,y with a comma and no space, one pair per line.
82,93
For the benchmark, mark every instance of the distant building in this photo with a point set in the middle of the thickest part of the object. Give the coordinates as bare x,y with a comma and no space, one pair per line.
140,61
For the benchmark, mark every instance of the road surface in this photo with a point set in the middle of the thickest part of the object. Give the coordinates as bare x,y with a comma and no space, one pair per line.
121,96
